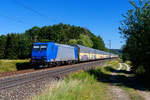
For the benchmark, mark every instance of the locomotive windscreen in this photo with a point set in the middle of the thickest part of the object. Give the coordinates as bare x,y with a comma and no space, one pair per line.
39,47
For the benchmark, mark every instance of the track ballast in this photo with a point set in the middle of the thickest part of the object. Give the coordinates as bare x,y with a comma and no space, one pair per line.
54,73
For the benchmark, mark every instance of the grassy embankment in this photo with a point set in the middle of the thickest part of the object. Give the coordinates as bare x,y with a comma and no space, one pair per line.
79,86
90,85
13,65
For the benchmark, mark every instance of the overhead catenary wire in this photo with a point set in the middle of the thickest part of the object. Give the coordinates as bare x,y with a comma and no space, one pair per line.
19,20
14,19
29,8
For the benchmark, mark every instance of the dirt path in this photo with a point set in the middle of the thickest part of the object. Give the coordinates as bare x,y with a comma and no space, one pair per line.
118,93
128,68
144,94
124,86
120,67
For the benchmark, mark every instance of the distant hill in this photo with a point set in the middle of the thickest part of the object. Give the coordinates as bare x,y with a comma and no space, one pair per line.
116,51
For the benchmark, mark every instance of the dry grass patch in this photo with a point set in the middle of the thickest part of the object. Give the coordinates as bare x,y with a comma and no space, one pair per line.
11,65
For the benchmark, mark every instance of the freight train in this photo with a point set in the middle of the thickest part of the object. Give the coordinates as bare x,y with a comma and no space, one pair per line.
52,54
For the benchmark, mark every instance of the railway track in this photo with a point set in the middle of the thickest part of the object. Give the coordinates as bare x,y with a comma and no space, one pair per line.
13,73
24,86
56,73
26,71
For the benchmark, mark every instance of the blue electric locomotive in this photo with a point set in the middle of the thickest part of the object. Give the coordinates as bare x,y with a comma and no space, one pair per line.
47,54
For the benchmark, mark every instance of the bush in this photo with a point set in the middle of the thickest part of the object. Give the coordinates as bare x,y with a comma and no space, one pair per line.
135,29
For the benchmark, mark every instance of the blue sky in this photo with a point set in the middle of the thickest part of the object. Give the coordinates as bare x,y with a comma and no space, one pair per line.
101,17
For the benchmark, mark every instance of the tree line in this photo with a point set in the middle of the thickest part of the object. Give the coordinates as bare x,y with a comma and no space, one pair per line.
135,28
19,45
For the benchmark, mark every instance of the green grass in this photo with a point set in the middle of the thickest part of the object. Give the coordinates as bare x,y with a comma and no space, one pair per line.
124,67
113,64
78,86
90,85
128,62
12,65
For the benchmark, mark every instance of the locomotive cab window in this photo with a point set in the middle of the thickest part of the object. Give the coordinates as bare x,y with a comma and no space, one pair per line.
39,47
43,47
36,47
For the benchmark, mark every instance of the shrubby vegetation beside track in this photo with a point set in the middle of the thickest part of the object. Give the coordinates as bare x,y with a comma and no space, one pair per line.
135,28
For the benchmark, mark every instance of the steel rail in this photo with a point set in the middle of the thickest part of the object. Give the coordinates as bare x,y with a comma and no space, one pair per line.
36,76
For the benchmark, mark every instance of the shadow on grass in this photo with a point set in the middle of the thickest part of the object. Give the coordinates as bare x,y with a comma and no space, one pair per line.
23,66
116,79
